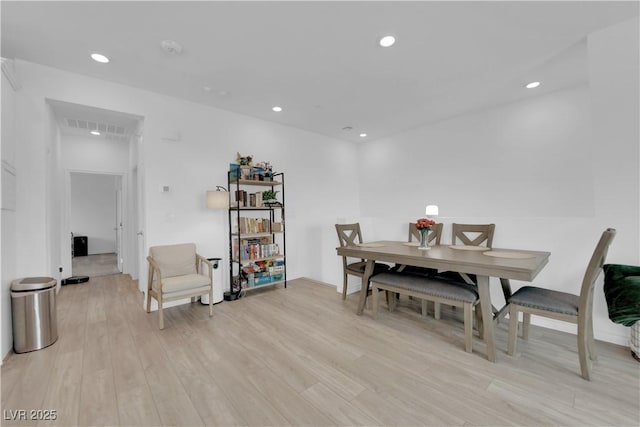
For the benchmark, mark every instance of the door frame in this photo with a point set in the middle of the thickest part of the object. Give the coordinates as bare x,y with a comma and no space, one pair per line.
66,219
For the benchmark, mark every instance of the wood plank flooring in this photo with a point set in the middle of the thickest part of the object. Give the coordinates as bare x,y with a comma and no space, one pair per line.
95,265
300,356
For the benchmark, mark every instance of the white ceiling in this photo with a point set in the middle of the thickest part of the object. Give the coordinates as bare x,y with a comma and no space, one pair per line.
320,60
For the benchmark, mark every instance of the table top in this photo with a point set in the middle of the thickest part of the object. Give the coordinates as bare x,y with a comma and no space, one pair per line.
514,264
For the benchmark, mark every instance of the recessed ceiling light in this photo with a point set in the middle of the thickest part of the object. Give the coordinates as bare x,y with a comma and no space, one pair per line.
363,135
94,132
277,109
99,58
387,41
532,85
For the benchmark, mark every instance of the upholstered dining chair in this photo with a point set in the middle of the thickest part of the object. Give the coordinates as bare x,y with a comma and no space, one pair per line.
350,235
558,305
176,272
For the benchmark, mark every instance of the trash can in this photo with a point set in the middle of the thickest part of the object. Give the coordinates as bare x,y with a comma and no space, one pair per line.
33,304
217,284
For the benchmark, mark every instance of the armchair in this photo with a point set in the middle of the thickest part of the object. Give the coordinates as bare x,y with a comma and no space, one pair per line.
175,272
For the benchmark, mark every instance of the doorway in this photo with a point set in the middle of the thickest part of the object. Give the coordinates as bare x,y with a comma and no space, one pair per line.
96,224
94,146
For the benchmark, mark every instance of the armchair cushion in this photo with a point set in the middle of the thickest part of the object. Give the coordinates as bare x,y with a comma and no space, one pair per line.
175,260
181,283
622,292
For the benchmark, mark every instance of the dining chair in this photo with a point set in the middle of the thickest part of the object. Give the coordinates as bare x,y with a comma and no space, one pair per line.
471,235
175,272
351,235
434,236
577,309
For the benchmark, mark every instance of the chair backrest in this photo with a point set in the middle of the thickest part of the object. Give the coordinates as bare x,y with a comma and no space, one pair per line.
593,271
473,234
175,260
349,234
434,234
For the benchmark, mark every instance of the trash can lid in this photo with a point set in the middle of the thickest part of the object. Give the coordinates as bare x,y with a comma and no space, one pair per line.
32,284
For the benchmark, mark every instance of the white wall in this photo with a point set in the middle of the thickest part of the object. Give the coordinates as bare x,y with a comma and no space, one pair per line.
552,172
320,172
93,210
8,212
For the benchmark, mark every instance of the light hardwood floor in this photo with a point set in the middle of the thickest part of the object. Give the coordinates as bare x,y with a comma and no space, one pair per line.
300,356
95,265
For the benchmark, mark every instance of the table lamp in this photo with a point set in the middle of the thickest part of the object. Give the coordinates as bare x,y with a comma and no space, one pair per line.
431,211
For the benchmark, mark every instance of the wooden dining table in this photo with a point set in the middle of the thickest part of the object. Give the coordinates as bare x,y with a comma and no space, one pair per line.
504,264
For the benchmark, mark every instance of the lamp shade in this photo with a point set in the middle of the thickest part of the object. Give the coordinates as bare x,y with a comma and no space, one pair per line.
217,199
431,210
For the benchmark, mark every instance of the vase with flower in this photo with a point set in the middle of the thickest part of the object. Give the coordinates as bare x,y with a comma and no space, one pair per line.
424,226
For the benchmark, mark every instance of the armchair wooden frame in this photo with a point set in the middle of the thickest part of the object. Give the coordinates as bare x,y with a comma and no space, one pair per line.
155,274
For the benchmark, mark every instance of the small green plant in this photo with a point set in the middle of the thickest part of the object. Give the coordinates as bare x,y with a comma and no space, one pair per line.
269,195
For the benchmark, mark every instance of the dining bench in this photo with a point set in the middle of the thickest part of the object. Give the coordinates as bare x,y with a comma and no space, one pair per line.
454,293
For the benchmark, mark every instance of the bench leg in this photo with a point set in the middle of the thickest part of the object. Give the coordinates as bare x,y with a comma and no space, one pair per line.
424,308
436,310
391,301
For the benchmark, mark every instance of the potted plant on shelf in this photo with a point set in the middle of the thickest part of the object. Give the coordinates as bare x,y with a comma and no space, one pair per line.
269,196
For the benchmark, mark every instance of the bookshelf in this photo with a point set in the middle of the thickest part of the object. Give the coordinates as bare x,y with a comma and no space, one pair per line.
257,236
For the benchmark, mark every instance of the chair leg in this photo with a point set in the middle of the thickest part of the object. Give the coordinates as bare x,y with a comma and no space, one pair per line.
583,350
590,343
479,321
468,328
344,287
376,301
526,322
148,301
211,302
160,312
513,329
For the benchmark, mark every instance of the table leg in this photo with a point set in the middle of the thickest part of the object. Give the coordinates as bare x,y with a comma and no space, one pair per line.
487,316
364,289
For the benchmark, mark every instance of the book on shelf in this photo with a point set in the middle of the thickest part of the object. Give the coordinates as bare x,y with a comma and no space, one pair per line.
254,225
